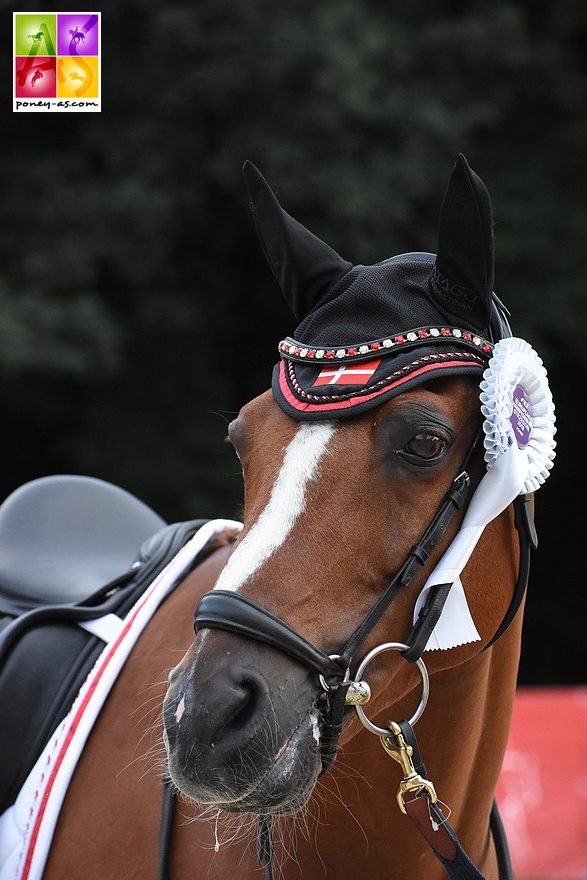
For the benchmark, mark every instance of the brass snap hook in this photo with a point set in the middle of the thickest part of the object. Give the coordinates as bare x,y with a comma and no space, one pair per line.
396,747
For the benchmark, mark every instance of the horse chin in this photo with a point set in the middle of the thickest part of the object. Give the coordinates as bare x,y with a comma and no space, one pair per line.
289,782
284,788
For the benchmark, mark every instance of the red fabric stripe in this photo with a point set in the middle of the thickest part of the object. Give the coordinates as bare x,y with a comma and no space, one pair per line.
355,401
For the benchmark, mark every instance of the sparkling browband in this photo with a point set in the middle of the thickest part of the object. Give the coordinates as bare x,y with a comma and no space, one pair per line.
299,351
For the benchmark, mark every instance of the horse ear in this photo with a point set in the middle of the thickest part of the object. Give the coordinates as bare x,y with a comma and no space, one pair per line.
304,266
466,251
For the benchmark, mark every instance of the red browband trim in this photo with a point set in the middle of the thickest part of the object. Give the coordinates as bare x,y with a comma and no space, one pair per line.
305,401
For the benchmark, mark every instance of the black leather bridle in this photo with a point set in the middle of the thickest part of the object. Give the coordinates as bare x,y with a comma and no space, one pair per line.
222,609
232,612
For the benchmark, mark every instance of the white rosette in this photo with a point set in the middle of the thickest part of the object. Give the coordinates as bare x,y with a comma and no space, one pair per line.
519,443
515,365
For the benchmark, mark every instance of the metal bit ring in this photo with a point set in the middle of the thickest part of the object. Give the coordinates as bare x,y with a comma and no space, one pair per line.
380,649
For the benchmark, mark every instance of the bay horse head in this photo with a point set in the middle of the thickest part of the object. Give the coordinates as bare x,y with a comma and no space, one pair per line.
358,467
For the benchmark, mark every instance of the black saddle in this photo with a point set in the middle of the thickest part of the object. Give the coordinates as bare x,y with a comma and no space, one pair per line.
63,538
71,549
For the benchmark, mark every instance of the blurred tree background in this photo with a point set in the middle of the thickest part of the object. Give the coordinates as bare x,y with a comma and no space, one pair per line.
137,313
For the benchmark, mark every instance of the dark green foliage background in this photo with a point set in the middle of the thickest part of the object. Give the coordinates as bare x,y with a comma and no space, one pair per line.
137,314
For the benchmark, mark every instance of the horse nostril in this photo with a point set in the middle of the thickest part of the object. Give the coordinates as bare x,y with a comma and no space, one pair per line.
246,700
235,711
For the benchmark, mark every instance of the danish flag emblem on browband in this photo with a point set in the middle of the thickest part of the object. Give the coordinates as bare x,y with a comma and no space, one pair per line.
347,374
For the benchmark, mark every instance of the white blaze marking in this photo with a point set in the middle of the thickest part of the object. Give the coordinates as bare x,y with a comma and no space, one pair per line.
287,502
180,709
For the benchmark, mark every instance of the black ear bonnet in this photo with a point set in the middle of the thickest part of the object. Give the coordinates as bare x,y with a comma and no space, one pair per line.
367,333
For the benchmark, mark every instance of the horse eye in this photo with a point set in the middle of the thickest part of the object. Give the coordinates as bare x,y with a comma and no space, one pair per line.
425,446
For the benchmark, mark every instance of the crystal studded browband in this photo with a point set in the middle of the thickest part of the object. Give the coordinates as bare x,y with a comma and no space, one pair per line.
291,349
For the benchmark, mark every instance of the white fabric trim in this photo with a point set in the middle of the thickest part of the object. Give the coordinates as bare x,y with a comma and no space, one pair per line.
26,828
106,627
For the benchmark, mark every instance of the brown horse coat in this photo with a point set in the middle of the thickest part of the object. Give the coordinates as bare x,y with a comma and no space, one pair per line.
109,823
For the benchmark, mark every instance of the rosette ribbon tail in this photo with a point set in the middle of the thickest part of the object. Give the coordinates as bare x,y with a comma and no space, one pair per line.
499,487
519,429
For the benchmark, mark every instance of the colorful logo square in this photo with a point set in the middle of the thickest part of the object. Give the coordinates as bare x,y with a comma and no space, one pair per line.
56,63
35,33
77,77
77,34
35,77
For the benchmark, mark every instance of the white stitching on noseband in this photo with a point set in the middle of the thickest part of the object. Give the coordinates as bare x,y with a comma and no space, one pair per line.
287,502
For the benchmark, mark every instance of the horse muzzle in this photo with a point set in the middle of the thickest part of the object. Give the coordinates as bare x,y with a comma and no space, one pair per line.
241,727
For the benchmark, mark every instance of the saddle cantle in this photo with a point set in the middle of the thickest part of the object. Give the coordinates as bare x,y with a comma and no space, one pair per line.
71,548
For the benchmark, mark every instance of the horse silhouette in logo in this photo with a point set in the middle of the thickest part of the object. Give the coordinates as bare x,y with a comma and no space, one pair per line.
83,75
40,36
37,76
77,35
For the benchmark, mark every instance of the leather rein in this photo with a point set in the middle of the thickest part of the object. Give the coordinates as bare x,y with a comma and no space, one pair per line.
232,612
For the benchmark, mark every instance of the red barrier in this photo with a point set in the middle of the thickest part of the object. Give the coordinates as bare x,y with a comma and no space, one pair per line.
542,792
